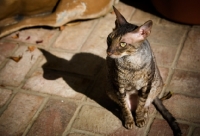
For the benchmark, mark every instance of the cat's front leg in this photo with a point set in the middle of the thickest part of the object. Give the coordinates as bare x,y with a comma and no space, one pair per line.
125,109
141,112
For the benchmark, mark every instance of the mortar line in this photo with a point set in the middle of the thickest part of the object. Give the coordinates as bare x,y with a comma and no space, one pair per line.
191,130
172,67
189,123
170,74
3,64
2,109
51,96
90,33
30,72
180,48
132,13
160,20
189,70
187,94
74,130
58,33
35,116
25,43
149,124
72,120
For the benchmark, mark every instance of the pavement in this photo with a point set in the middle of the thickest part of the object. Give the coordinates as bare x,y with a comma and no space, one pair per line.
52,80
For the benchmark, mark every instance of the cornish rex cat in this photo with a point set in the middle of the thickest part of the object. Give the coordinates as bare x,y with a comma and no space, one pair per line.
132,70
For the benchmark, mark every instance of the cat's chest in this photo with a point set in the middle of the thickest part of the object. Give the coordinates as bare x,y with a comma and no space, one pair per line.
134,73
134,62
134,80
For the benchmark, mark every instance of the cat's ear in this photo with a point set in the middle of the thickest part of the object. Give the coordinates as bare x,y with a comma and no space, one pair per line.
120,20
145,30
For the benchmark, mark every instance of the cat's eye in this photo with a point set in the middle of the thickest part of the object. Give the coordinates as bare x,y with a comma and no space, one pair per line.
123,44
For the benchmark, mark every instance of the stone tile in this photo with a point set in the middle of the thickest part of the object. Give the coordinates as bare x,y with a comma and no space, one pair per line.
78,134
96,42
97,93
185,82
125,10
184,108
190,58
125,132
81,63
14,72
196,132
161,127
32,35
172,24
164,54
57,83
6,49
164,73
166,35
96,120
4,96
18,114
140,17
54,118
73,37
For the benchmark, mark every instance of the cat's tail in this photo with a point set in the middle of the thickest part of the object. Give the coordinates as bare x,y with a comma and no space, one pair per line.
167,116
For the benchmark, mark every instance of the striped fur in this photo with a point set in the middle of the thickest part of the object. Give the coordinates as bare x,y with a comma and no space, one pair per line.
134,80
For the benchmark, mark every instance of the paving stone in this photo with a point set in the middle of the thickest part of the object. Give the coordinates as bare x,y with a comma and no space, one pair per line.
185,82
163,72
78,134
140,17
73,37
184,108
96,42
81,63
97,93
6,49
125,132
164,54
126,13
57,83
96,120
19,113
161,128
171,23
33,35
190,58
14,72
54,118
166,35
196,132
4,96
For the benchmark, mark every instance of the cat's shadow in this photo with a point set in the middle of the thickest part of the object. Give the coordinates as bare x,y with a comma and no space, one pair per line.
85,73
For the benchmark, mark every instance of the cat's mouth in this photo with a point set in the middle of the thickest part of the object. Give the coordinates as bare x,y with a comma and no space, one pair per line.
115,56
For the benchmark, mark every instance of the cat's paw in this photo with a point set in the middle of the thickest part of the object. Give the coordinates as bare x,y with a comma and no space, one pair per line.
129,124
141,122
141,119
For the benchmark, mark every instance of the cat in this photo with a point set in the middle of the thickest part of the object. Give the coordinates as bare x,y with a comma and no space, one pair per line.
132,71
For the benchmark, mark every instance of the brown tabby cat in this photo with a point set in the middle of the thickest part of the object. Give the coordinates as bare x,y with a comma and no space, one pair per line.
132,70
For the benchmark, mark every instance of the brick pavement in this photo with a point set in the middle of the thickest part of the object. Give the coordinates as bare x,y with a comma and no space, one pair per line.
57,88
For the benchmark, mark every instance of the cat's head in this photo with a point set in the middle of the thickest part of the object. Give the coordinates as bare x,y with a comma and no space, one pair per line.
126,38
